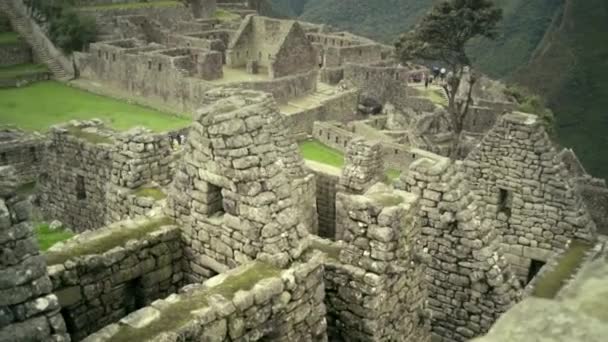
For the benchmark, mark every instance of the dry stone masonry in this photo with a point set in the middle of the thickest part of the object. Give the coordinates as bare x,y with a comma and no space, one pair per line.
29,311
222,238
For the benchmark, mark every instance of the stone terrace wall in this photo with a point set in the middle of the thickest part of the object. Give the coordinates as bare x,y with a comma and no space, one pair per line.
90,170
75,172
23,152
13,54
28,309
394,155
528,191
342,107
385,84
233,190
167,16
375,291
97,290
470,282
282,305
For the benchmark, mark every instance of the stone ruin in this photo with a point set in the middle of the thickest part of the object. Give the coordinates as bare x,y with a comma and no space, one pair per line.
233,236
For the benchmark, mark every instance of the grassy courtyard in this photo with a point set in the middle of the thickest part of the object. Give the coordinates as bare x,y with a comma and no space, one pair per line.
43,104
316,151
47,237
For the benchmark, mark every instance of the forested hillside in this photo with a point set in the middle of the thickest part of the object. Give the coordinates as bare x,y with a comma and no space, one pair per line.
557,48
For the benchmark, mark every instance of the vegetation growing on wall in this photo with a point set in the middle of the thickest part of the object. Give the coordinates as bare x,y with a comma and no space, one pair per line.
68,29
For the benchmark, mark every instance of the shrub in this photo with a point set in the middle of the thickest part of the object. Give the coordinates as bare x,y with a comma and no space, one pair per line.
533,104
72,31
66,28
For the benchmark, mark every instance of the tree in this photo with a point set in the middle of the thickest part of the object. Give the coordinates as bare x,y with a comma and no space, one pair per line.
442,35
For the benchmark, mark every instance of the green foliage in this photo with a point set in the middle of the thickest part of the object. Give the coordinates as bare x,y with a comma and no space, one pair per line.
533,104
67,28
153,193
9,38
104,243
442,34
179,313
58,103
316,151
47,237
72,31
551,282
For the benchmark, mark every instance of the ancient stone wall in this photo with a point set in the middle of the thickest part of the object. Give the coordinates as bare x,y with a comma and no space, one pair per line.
384,84
28,309
470,281
342,107
295,55
13,54
363,166
234,190
279,47
527,190
327,179
254,302
22,151
170,76
375,288
89,172
101,276
167,16
285,88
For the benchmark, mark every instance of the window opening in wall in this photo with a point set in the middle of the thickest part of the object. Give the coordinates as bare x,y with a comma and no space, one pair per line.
337,139
33,153
413,156
360,52
149,65
247,53
113,57
3,158
367,75
99,54
160,67
535,266
215,200
260,55
80,190
505,198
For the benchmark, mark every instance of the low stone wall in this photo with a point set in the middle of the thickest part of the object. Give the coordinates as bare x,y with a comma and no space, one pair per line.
22,151
327,179
101,276
341,107
284,88
394,155
375,284
255,302
86,165
23,80
13,54
28,309
127,203
168,16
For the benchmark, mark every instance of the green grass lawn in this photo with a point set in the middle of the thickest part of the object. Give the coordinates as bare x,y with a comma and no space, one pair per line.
43,104
21,70
551,282
224,15
47,237
316,151
133,5
9,38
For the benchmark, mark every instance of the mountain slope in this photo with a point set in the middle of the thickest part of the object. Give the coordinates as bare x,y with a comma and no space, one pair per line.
570,69
555,47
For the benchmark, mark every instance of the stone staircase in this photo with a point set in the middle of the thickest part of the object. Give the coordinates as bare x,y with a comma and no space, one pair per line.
43,48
